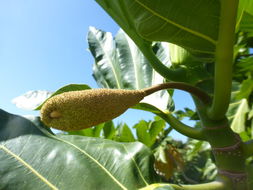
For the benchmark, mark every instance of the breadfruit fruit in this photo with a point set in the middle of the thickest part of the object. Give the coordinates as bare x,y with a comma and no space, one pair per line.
78,110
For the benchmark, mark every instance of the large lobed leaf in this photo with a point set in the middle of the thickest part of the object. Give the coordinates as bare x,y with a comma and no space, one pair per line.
120,64
178,21
33,158
192,24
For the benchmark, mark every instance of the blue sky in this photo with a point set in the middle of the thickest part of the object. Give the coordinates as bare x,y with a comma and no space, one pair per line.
43,47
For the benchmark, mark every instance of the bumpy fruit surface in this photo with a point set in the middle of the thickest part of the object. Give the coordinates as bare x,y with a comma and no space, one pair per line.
78,110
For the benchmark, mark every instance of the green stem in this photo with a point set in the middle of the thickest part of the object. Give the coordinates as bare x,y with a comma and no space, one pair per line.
170,74
205,186
224,60
173,122
248,148
182,128
197,92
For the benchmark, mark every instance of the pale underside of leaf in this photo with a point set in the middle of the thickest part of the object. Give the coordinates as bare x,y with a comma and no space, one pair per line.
106,45
238,122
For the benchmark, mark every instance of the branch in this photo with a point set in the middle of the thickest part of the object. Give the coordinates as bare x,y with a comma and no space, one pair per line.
248,148
197,92
182,128
224,60
205,186
170,74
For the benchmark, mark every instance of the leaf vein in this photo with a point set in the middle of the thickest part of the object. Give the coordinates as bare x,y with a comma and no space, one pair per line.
94,160
176,24
29,167
146,183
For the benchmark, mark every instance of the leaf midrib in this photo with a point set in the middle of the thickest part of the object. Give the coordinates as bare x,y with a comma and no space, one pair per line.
110,63
24,163
214,42
94,160
137,77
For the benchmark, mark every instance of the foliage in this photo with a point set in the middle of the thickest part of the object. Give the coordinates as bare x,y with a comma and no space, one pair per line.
120,64
215,38
64,161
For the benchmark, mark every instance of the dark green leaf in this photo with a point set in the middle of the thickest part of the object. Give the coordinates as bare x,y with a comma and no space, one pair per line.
246,23
156,128
178,21
142,132
245,65
147,107
109,130
31,157
85,132
246,89
245,6
125,134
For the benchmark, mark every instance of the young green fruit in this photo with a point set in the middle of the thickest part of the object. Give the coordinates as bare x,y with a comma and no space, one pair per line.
78,110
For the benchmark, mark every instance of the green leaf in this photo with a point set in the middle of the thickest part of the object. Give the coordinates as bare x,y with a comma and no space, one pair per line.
134,70
97,129
244,65
165,187
246,89
142,132
245,6
125,134
246,23
147,132
118,11
148,107
31,157
158,186
178,21
237,112
187,112
155,129
85,132
193,151
179,55
90,132
120,64
101,46
67,88
109,130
